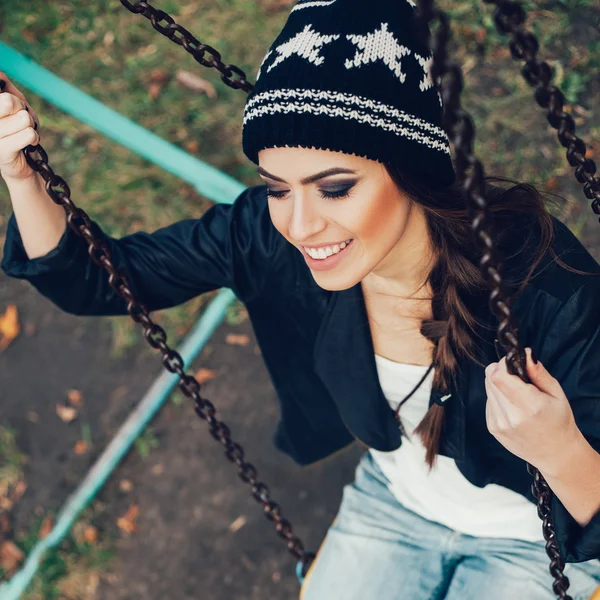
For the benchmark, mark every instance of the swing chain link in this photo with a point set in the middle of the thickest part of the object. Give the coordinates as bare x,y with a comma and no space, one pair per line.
156,336
509,16
182,37
461,130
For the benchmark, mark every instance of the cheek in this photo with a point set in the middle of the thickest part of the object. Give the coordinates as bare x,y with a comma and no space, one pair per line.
379,219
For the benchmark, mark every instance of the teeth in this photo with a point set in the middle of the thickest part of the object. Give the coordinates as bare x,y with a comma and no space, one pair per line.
323,253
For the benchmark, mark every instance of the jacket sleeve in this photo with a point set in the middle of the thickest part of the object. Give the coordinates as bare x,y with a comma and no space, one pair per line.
229,246
574,360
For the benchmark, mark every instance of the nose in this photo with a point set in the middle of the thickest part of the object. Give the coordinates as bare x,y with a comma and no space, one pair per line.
306,222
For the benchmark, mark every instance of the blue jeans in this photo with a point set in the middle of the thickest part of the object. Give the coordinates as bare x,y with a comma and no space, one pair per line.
378,549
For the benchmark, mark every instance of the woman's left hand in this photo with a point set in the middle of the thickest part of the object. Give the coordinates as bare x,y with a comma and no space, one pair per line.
532,420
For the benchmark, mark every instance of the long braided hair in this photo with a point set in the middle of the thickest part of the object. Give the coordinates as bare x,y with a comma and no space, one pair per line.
455,277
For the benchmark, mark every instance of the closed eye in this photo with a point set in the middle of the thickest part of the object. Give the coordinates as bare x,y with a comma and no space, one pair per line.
326,194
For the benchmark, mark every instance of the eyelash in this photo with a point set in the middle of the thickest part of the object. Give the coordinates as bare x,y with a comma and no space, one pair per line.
336,195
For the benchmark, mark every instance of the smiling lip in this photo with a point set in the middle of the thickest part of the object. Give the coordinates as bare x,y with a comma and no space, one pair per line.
332,244
327,263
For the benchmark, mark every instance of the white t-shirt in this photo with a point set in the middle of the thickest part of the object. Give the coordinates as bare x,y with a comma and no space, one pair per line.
444,495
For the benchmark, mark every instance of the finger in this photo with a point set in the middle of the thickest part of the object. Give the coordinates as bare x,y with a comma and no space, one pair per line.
512,386
10,88
10,104
15,123
499,408
13,144
36,124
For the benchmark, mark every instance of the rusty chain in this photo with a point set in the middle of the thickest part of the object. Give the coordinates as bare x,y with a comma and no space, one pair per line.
461,130
470,172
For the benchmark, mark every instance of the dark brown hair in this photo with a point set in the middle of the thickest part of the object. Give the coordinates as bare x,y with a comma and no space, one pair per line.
455,277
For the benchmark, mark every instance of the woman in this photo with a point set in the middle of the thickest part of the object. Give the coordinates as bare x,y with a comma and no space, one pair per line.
358,268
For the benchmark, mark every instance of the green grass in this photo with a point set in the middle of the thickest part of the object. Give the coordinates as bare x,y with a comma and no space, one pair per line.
146,442
111,54
71,571
12,460
12,463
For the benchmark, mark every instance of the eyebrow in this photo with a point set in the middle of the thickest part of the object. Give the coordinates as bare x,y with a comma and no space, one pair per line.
312,178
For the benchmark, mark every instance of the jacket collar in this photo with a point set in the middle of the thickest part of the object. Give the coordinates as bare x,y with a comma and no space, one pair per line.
344,359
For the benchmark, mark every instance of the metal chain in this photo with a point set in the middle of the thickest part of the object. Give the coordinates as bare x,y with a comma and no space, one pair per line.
470,171
58,189
181,36
508,17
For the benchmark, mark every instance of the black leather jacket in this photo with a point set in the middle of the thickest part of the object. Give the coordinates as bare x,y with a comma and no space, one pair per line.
317,344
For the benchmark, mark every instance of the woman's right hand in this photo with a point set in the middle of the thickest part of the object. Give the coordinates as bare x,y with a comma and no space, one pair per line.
19,128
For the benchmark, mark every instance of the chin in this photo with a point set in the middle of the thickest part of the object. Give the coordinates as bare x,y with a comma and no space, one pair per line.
334,283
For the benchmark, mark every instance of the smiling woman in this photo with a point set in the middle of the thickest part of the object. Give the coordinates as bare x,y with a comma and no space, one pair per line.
358,266
354,203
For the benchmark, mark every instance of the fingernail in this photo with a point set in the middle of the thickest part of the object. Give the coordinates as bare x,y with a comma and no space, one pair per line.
534,357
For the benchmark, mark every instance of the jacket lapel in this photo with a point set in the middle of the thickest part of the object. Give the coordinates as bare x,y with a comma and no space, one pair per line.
344,360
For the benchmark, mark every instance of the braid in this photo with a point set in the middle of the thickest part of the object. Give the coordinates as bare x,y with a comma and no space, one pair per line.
448,330
524,232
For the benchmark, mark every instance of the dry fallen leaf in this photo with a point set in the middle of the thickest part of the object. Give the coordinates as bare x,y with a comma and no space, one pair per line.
125,485
158,79
90,534
33,416
46,527
160,75
5,525
237,339
196,83
158,469
74,397
204,375
127,523
10,557
66,413
109,38
154,89
80,448
192,146
18,490
9,326
119,392
93,145
237,524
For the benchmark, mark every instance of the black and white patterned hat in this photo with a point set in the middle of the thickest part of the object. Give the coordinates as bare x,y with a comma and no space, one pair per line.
351,76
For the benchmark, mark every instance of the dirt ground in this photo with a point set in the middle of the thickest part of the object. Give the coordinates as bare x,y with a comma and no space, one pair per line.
188,494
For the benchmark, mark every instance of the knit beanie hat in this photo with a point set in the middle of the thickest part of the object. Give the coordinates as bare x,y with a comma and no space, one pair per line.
351,76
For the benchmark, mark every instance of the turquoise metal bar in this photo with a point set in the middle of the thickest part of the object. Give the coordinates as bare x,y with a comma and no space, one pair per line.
210,182
118,447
